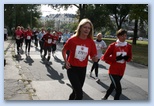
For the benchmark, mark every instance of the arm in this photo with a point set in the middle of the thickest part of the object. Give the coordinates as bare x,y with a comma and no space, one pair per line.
108,55
65,58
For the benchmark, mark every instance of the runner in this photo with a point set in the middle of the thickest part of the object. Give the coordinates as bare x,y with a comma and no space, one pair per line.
47,38
117,54
18,34
100,45
80,45
41,42
28,38
54,43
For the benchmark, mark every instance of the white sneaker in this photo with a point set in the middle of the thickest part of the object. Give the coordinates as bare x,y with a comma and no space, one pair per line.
97,79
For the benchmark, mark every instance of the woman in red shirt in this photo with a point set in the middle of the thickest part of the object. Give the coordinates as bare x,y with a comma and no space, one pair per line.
48,39
18,35
80,45
28,38
117,54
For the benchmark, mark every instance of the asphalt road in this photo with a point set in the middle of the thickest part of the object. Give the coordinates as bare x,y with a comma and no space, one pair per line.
38,81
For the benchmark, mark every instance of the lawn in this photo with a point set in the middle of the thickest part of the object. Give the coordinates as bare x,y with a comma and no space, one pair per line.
140,50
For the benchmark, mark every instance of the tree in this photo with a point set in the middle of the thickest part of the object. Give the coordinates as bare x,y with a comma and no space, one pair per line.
139,13
118,13
21,14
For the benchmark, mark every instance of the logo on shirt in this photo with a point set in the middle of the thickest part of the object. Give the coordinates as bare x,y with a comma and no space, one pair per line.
81,52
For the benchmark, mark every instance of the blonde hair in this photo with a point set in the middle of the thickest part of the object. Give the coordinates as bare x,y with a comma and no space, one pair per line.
99,34
83,22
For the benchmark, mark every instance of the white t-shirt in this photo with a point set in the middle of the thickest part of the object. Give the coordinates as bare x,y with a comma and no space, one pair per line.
99,46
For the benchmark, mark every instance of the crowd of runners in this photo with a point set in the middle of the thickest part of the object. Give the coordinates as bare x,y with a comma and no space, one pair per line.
77,48
45,38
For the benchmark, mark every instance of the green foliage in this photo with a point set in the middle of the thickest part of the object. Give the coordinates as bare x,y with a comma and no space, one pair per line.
21,14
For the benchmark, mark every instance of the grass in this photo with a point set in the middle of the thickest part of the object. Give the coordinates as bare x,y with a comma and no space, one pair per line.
140,50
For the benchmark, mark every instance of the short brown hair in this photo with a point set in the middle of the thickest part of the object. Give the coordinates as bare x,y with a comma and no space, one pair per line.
121,32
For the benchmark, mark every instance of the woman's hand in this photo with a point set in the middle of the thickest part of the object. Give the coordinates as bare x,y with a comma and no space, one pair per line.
67,65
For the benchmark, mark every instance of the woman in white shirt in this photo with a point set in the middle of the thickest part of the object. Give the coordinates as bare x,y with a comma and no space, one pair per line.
100,45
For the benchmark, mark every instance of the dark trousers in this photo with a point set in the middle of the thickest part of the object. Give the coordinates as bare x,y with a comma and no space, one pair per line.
47,49
115,84
41,46
18,45
28,44
54,47
95,66
76,76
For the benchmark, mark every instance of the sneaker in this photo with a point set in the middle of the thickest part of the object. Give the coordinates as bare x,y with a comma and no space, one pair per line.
97,79
103,98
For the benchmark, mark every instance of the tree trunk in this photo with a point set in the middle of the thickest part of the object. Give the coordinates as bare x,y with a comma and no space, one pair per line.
135,31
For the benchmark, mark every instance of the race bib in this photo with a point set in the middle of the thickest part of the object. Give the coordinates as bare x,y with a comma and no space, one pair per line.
123,54
98,46
49,41
81,52
28,37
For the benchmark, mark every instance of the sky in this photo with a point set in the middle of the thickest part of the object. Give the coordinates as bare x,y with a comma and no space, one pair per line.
46,10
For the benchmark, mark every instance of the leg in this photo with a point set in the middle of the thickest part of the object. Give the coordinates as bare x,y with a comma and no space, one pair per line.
76,77
49,52
45,52
18,45
110,89
96,68
26,41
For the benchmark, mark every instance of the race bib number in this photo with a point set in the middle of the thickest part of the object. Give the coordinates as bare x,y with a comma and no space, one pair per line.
123,54
28,37
49,41
98,46
81,52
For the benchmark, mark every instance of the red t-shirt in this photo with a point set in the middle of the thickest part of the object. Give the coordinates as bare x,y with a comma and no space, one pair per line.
18,34
28,35
80,50
48,39
54,39
117,67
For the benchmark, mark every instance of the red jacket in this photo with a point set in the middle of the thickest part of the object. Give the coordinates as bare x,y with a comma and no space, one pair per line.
117,67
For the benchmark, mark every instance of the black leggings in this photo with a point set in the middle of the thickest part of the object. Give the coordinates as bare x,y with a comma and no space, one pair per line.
76,76
18,45
28,44
115,84
95,66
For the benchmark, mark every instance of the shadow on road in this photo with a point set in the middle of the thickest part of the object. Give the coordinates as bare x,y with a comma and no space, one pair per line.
85,96
58,60
29,60
53,74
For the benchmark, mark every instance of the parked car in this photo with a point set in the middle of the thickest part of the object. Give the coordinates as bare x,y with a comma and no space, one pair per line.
140,38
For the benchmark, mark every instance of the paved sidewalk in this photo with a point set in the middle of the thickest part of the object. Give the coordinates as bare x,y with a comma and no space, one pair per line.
14,85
